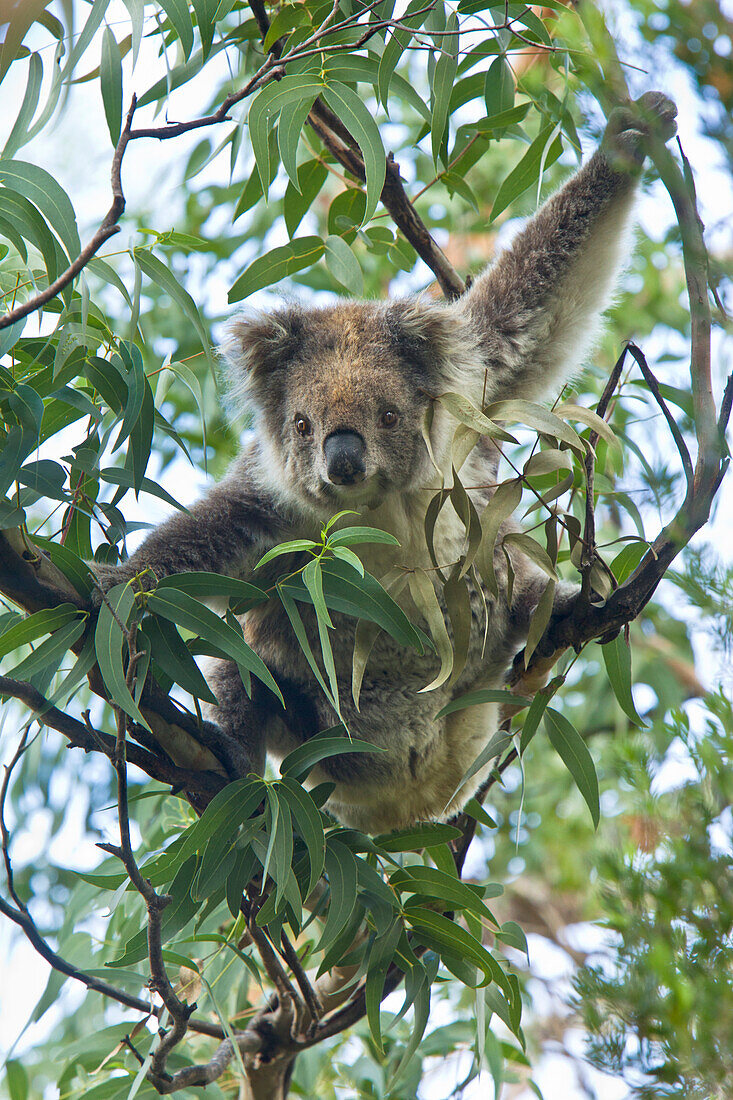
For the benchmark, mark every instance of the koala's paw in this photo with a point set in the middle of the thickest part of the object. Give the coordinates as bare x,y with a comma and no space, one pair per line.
106,577
626,139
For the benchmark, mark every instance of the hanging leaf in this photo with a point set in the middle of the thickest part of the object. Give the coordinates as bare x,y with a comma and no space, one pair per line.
110,77
352,111
343,265
109,644
276,265
617,659
544,151
573,751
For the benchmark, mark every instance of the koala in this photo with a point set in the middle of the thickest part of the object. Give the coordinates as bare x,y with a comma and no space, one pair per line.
339,396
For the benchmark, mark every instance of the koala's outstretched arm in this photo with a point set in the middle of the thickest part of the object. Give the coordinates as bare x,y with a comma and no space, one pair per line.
538,307
224,532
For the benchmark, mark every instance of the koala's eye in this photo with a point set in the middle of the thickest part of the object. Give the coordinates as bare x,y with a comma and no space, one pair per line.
303,425
389,419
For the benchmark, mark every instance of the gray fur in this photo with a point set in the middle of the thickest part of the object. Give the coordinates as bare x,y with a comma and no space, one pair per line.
520,331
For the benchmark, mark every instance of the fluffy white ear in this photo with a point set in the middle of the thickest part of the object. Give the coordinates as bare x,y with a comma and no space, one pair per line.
257,346
437,338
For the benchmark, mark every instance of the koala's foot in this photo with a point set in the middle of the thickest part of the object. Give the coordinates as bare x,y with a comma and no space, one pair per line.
626,138
107,576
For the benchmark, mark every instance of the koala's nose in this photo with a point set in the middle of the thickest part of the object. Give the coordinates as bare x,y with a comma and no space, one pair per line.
345,452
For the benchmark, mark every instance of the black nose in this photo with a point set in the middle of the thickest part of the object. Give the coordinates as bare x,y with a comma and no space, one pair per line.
345,452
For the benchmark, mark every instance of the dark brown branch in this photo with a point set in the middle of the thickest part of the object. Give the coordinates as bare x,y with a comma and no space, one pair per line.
205,783
309,994
107,229
155,903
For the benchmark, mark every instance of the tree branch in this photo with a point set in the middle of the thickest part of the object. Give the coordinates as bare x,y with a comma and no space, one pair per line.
107,229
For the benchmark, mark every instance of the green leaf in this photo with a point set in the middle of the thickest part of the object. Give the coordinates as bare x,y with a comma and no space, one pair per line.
277,264
207,585
179,15
265,108
187,612
353,112
29,223
301,634
313,580
160,274
536,416
310,826
227,810
16,1079
351,536
49,653
279,855
573,751
466,412
18,135
413,17
617,659
532,718
341,871
117,475
287,19
363,598
570,411
295,546
136,10
483,695
442,85
343,265
425,598
292,120
40,188
35,625
379,958
527,172
443,935
430,882
499,87
540,618
110,79
327,743
424,835
532,550
171,653
206,14
109,642
298,200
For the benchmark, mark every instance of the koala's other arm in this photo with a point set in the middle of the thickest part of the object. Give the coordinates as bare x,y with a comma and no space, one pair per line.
537,308
224,532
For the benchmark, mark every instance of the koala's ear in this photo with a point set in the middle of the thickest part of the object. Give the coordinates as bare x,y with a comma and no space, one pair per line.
433,337
256,348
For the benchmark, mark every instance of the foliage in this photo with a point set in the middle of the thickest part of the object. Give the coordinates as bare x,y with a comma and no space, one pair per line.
111,380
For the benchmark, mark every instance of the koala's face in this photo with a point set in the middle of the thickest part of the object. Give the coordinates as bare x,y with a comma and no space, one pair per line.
342,394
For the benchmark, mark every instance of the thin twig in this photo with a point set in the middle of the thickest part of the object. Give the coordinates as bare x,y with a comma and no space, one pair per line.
653,385
589,530
309,994
107,229
26,923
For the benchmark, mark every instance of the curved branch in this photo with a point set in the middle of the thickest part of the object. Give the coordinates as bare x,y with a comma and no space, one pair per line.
107,229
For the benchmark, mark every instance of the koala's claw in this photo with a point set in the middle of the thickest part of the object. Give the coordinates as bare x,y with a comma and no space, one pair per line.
626,139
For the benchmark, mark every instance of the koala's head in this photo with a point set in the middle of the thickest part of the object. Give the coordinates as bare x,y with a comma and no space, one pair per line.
341,393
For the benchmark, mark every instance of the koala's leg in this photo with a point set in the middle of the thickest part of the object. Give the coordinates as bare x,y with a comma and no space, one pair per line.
242,720
537,308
